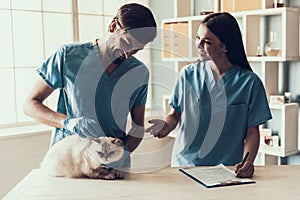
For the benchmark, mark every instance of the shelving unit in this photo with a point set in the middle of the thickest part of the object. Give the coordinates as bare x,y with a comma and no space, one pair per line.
285,122
241,5
255,29
178,45
181,32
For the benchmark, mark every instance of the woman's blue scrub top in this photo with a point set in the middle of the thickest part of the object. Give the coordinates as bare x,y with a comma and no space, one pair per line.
216,115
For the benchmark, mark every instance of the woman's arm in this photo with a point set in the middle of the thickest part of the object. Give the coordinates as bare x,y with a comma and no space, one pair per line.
252,143
162,128
251,146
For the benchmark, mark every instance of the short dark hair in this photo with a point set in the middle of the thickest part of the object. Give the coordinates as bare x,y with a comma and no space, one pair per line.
226,28
139,20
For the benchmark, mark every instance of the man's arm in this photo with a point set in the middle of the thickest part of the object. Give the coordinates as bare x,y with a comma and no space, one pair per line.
136,133
34,107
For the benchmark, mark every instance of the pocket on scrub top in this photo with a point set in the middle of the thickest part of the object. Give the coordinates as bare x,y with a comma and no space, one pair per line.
236,119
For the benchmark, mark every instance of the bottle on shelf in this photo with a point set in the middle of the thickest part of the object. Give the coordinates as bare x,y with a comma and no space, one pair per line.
205,7
272,48
258,51
278,3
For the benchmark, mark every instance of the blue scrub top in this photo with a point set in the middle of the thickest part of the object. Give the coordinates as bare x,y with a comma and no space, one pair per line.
85,89
216,115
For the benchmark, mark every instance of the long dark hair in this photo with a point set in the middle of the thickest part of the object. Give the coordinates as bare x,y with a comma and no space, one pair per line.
226,28
139,20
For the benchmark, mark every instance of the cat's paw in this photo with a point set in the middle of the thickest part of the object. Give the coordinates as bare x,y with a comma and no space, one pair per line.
110,176
119,175
113,175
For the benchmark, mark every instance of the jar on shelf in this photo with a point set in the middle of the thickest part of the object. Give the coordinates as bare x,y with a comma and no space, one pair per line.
258,51
278,3
272,48
203,7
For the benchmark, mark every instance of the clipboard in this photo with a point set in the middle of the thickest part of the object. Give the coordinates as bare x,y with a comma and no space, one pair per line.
214,176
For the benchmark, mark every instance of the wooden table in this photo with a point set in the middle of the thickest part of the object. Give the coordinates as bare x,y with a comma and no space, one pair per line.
272,182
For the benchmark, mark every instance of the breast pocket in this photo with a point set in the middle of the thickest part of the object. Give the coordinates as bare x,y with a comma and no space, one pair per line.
236,120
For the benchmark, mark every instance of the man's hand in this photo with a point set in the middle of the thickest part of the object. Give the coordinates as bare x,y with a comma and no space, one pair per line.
82,126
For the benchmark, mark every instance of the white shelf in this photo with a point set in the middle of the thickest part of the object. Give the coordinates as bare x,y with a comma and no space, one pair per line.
265,12
252,24
271,58
276,151
249,58
285,122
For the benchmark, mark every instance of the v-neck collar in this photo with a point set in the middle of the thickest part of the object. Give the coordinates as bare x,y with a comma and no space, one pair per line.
229,73
210,79
119,70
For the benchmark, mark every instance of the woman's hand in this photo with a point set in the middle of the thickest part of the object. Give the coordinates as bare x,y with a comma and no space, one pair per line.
246,171
159,129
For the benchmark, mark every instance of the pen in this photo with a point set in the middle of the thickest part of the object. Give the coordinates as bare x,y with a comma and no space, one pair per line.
125,54
244,160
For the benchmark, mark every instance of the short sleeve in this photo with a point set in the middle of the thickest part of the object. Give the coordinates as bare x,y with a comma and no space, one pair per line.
142,91
175,99
52,69
142,96
259,111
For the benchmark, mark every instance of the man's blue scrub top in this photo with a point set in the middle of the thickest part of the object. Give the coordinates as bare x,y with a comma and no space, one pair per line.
87,90
216,115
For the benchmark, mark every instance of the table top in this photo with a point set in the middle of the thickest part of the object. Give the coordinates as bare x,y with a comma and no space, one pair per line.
272,182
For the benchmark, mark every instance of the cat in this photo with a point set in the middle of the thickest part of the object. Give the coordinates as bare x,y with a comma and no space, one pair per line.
76,157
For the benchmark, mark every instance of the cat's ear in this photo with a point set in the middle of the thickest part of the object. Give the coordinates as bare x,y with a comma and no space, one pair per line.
90,145
95,140
85,142
117,141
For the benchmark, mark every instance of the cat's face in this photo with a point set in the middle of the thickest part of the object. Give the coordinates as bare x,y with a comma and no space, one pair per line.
106,149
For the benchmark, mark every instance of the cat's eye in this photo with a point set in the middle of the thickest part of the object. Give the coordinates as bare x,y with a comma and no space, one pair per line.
100,154
111,153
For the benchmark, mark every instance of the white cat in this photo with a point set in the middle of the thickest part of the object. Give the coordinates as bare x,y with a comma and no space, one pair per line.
76,157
